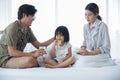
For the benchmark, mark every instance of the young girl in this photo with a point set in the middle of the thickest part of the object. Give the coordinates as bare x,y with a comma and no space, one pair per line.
60,50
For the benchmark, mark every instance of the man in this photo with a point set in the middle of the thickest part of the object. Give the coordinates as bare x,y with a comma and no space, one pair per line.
16,36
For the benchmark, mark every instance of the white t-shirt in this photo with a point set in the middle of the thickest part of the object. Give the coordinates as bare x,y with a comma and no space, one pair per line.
61,51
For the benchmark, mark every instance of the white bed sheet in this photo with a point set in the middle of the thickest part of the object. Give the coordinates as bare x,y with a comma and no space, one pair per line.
74,73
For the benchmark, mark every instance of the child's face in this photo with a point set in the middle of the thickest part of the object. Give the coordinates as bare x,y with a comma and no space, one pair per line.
60,37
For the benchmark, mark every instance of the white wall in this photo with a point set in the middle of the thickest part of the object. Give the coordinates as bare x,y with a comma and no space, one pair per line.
70,13
114,26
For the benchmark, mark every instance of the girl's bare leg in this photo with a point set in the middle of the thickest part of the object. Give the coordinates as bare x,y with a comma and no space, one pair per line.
66,63
49,61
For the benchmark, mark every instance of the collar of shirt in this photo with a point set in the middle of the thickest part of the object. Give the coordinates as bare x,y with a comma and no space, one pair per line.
96,23
19,27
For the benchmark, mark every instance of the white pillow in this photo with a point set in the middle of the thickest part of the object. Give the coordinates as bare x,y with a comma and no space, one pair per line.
94,61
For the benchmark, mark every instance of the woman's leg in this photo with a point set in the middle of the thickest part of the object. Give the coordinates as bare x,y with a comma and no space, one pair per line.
21,62
66,63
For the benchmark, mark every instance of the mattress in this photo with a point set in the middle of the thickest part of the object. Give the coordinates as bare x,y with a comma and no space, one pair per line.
72,73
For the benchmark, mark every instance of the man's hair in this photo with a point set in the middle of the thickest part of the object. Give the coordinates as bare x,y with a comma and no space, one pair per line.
27,9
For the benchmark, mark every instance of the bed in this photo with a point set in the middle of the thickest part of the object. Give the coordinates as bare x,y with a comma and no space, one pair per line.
93,71
72,73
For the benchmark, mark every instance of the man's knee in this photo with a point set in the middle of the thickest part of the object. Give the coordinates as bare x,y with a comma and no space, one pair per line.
30,62
21,62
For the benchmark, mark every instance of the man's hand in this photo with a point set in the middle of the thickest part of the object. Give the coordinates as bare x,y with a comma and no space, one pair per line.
39,52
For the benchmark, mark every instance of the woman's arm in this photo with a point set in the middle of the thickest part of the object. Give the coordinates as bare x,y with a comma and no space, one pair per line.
105,42
94,52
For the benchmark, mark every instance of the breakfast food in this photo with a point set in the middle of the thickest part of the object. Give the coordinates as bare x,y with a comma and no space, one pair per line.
78,50
59,42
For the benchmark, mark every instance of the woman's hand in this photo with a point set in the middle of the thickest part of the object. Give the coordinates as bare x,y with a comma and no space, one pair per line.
89,52
84,51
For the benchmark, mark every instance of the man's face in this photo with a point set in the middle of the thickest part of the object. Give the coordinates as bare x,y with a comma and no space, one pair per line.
28,19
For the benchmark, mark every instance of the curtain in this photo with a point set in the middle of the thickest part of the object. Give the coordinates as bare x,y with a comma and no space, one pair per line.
5,13
114,26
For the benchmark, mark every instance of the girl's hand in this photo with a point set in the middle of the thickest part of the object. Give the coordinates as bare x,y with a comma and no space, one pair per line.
55,42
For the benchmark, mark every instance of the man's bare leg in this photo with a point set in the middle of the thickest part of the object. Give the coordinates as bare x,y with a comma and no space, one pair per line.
21,62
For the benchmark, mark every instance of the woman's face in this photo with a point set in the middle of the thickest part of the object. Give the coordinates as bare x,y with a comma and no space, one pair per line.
90,16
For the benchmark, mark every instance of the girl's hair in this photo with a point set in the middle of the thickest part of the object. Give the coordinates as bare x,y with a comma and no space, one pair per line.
64,31
93,8
27,9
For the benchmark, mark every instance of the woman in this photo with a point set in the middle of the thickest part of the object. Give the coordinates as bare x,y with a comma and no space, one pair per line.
96,36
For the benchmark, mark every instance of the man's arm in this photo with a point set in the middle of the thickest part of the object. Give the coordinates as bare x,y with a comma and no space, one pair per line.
14,52
37,44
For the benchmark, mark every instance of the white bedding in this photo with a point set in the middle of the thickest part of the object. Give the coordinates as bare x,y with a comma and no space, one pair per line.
74,73
81,70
